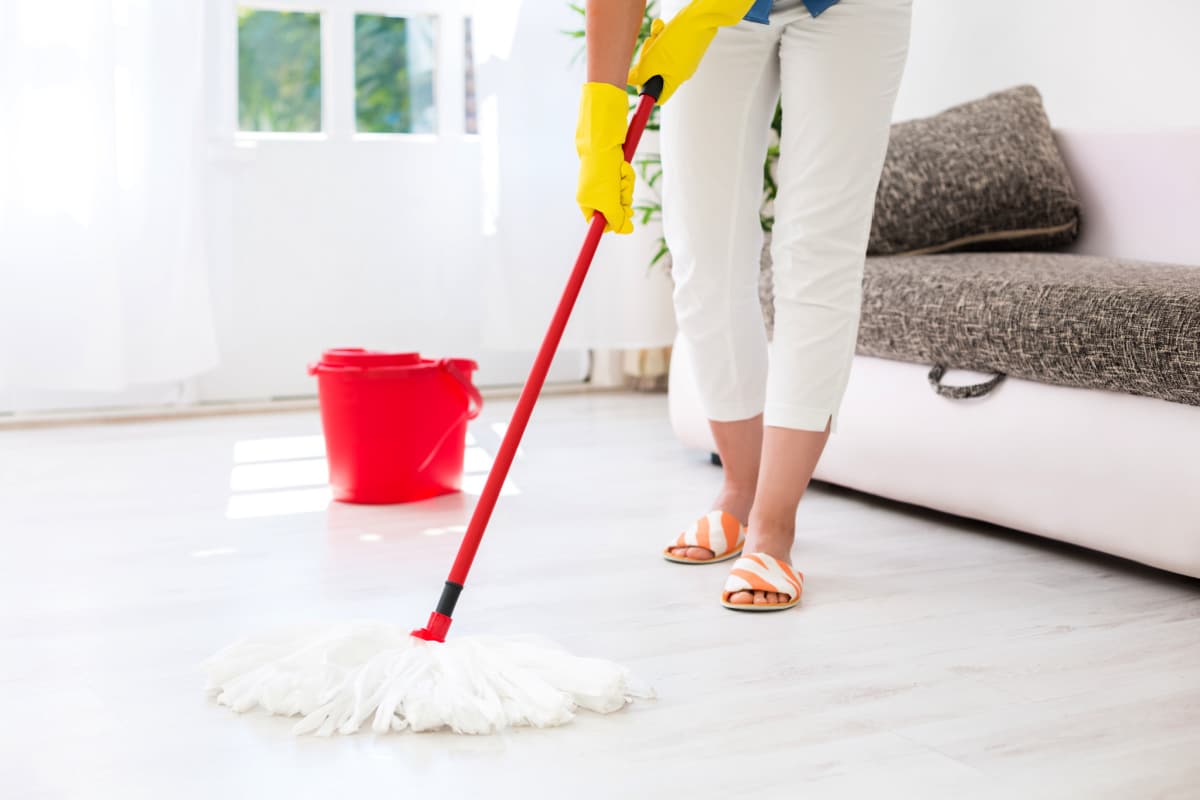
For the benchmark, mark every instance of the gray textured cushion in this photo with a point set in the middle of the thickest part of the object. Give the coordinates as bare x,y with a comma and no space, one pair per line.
1064,319
984,175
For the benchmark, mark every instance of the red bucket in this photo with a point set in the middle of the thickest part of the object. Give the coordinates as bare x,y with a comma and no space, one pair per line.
395,423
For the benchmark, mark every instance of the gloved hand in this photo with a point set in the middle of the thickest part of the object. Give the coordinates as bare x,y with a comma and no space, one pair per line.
674,49
605,178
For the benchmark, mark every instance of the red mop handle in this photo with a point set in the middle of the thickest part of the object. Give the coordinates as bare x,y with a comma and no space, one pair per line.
439,620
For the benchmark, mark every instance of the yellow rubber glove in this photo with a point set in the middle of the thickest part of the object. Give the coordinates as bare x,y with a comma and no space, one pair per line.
605,178
674,49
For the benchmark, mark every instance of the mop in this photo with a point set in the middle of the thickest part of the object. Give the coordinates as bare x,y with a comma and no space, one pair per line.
338,677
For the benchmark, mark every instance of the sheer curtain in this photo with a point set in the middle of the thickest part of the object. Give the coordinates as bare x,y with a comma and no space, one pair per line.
104,279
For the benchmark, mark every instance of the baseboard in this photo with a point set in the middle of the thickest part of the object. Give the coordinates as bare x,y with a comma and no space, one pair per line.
49,419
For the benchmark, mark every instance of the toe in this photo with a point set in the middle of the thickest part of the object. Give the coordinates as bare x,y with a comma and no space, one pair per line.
741,598
699,553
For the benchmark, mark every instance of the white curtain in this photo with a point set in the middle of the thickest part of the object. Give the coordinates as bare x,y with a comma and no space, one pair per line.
104,280
529,97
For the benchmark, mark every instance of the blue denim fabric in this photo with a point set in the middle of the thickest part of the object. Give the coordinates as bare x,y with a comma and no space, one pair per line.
761,9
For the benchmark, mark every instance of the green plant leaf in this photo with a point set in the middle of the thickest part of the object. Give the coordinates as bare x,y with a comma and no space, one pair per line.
662,253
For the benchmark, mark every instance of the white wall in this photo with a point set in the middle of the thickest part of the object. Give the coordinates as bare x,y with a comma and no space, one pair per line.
529,83
369,241
1098,63
1112,64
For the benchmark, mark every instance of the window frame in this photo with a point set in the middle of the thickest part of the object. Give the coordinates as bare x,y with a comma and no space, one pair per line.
338,89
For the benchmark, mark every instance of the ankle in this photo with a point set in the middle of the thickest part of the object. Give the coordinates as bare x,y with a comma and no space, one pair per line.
774,544
738,488
787,532
772,535
735,500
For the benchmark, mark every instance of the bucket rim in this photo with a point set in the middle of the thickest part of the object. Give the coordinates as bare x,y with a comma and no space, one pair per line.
357,359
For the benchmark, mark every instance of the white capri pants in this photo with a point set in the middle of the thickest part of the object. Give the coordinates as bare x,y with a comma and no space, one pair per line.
838,75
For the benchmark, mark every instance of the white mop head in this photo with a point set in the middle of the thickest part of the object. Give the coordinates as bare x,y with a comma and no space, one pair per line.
338,677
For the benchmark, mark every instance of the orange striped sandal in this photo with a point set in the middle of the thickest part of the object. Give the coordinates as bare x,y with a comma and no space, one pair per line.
718,531
761,572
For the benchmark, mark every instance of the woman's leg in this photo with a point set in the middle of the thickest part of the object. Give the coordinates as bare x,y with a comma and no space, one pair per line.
714,140
839,77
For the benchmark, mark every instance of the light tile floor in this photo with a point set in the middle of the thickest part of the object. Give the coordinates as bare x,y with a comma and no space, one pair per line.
932,656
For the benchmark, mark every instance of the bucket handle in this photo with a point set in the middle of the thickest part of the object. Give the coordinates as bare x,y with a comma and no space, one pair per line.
474,398
474,406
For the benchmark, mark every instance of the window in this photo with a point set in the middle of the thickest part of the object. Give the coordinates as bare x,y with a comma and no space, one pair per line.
394,74
279,71
341,67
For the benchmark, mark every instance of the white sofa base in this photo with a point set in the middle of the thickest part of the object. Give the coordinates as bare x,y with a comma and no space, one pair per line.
1114,472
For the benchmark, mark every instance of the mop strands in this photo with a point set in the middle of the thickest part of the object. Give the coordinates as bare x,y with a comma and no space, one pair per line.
338,677
341,678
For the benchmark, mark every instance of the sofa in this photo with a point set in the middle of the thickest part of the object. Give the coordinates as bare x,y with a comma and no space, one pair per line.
1102,468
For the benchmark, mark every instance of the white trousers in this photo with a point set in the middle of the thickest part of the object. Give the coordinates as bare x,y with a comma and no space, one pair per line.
837,75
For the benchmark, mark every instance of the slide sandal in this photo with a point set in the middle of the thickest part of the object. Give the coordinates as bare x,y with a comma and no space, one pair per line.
717,531
761,572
